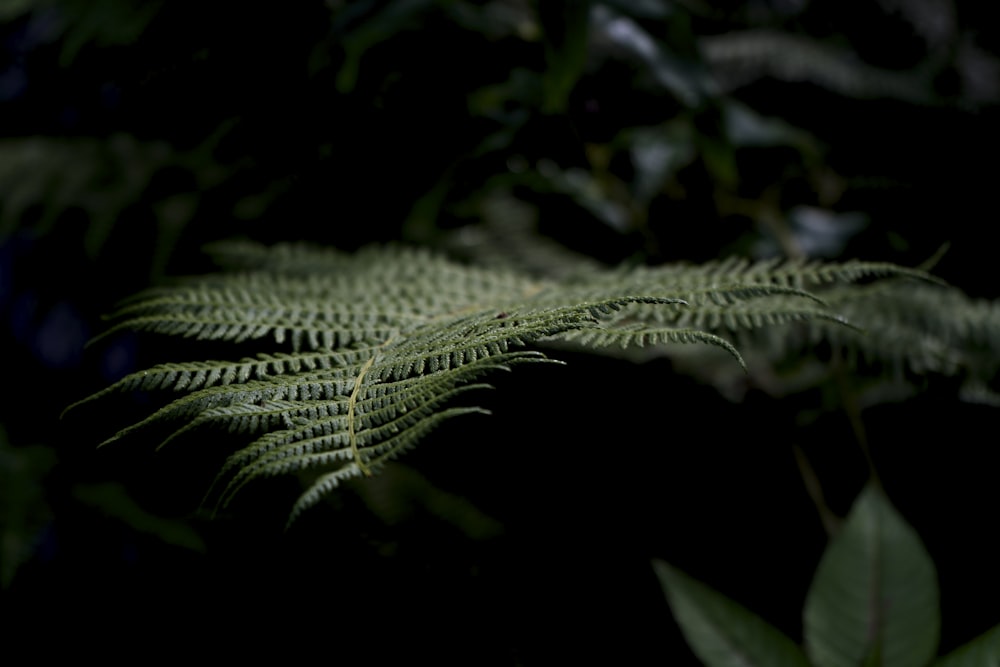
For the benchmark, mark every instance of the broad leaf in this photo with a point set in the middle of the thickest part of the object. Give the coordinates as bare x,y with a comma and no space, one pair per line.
983,651
721,632
875,594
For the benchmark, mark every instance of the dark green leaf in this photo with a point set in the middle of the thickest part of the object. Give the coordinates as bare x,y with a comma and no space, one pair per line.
721,632
875,594
983,651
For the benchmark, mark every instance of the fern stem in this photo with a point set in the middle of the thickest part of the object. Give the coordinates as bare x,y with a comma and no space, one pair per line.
849,401
830,521
353,401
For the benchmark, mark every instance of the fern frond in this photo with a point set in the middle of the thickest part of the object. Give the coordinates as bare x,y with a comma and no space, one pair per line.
200,374
363,354
322,486
333,449
301,387
635,336
242,418
926,328
741,272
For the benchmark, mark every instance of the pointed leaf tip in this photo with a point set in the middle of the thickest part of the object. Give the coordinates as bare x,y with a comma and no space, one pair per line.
875,593
721,632
983,651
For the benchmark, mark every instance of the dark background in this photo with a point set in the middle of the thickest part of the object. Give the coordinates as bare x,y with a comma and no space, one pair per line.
134,133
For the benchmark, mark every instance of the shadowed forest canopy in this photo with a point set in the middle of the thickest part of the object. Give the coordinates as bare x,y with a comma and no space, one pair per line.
531,144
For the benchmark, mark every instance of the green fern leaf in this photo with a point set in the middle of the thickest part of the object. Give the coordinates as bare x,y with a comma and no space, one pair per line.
361,355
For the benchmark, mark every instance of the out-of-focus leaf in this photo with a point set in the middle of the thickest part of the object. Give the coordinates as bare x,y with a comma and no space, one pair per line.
10,9
875,594
822,233
508,237
590,193
746,127
523,88
394,17
566,27
400,492
113,500
979,71
23,511
621,36
721,632
658,153
99,176
977,391
646,9
740,58
817,232
983,651
43,177
934,20
497,18
720,160
83,22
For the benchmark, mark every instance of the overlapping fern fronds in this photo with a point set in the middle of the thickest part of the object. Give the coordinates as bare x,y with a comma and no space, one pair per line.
361,355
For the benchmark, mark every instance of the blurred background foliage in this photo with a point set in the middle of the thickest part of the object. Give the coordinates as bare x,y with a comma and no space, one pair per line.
133,133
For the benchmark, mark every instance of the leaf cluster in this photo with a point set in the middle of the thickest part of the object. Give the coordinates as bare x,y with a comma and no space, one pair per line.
873,601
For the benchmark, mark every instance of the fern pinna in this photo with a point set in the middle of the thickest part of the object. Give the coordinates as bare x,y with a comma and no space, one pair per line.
362,354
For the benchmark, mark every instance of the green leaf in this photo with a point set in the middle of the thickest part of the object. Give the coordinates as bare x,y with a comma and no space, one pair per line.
113,500
721,632
24,511
566,27
875,597
983,651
